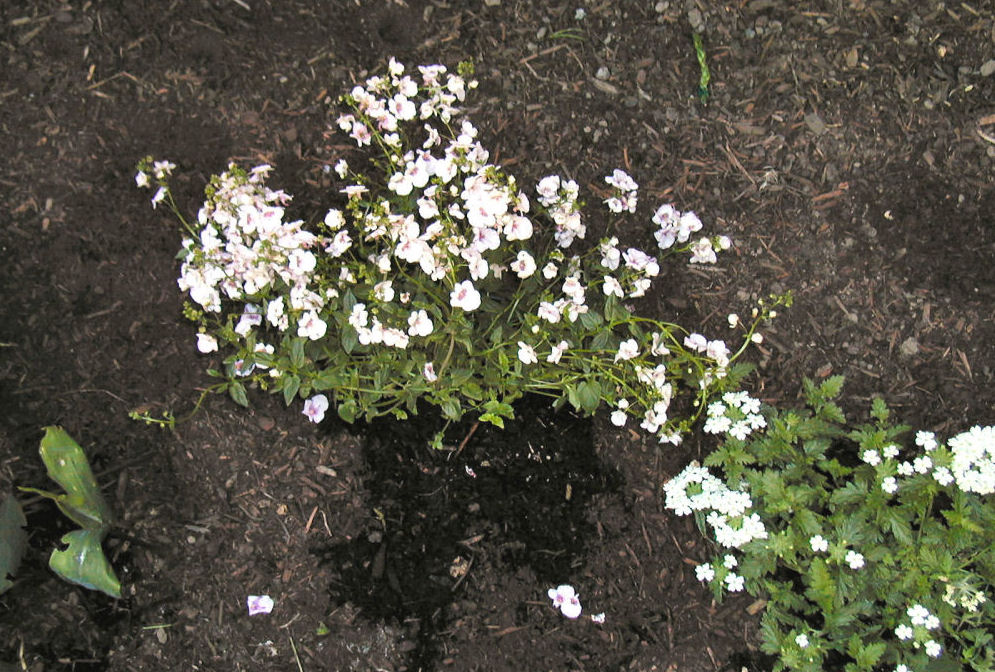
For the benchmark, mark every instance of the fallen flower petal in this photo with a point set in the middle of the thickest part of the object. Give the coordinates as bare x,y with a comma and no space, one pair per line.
598,618
259,604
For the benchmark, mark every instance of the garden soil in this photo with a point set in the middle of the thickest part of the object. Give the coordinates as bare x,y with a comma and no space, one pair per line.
846,146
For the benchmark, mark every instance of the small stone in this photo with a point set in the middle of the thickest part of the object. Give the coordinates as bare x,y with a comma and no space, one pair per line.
492,3
909,347
988,69
815,123
603,73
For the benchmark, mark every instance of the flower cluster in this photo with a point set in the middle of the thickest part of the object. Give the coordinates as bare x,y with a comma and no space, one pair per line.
738,415
727,511
566,599
435,276
903,533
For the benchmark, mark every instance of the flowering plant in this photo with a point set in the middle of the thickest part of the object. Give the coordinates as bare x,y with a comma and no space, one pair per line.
436,277
871,555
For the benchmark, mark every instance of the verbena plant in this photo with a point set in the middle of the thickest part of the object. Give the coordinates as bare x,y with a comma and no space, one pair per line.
872,554
436,277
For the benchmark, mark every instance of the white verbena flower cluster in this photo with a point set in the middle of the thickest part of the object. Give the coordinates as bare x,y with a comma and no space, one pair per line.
728,511
737,414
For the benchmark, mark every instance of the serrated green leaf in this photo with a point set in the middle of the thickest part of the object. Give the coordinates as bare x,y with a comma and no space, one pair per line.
13,540
84,563
495,420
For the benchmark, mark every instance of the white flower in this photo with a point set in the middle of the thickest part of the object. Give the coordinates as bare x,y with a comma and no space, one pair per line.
734,582
729,561
802,640
819,544
890,451
733,320
565,598
917,614
598,618
704,572
889,484
557,352
549,271
905,469
871,457
922,464
901,667
943,476
159,195
627,350
315,407
926,440
702,252
465,296
904,632
526,353
207,343
142,179
612,286
341,168
854,559
932,649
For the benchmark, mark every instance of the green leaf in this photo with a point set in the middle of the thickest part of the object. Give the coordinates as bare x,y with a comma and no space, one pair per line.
83,562
67,465
868,655
236,391
347,410
879,410
297,352
13,540
495,420
589,395
291,385
350,339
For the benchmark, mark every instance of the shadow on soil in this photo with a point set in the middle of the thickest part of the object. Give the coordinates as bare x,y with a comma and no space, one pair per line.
516,495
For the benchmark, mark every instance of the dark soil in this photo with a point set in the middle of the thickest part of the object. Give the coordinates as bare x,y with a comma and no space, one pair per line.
847,147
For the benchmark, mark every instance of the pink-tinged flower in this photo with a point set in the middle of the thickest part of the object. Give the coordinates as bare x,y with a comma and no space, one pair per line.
428,371
465,296
526,353
419,323
207,343
361,134
702,252
565,599
315,407
158,196
259,604
311,326
549,312
518,228
142,179
696,342
524,265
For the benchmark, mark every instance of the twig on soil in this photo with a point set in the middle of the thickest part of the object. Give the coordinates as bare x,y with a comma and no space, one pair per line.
293,647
